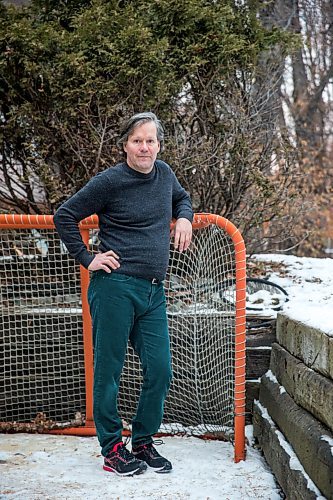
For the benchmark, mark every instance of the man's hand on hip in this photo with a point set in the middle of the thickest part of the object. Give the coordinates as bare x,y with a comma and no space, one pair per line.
182,233
105,261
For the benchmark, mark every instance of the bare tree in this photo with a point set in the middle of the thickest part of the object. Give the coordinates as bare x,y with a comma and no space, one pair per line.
232,153
307,105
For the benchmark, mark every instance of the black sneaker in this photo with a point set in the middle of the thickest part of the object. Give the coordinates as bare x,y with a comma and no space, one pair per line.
123,462
148,454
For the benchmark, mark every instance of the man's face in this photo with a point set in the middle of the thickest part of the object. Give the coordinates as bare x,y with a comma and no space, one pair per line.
142,147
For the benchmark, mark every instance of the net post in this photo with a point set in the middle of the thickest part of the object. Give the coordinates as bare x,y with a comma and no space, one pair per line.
240,350
87,336
240,334
240,347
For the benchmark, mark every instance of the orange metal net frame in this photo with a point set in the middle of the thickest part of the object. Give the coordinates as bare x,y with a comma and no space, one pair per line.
194,307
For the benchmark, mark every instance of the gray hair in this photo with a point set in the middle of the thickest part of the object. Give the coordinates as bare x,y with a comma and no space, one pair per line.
137,120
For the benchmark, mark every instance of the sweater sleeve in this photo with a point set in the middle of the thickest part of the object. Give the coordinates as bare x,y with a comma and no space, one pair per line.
88,201
181,202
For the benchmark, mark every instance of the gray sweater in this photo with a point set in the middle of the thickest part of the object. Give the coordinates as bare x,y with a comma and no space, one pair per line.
134,210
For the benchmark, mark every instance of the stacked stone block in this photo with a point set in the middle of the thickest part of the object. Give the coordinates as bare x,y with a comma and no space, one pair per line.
293,419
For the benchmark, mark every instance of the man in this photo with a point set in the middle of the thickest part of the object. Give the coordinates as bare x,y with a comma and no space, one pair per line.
135,202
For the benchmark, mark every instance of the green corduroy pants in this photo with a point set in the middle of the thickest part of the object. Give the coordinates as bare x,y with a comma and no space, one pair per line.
127,308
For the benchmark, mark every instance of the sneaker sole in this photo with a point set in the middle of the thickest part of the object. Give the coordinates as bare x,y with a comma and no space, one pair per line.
162,470
135,472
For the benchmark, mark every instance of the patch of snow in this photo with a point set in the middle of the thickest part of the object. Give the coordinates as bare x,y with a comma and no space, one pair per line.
59,467
269,374
264,412
309,284
329,440
264,299
249,434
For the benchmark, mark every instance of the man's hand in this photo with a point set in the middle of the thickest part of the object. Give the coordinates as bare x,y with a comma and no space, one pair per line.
182,233
105,261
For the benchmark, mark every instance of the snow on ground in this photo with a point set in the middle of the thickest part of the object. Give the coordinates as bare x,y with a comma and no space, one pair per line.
36,467
41,467
309,283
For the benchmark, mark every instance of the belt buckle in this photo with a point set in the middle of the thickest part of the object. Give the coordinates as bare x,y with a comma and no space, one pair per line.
154,281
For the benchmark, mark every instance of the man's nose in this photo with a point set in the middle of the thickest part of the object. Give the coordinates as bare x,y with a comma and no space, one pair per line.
144,146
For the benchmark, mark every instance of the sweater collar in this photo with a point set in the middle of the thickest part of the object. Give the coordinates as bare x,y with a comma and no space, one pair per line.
139,175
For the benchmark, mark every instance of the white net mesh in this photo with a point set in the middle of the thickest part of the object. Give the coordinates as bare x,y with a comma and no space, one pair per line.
41,331
42,383
201,326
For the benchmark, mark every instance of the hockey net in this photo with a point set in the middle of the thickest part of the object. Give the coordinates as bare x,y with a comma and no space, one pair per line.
46,380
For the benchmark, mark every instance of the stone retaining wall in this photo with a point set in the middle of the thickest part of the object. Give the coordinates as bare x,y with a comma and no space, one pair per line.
293,419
